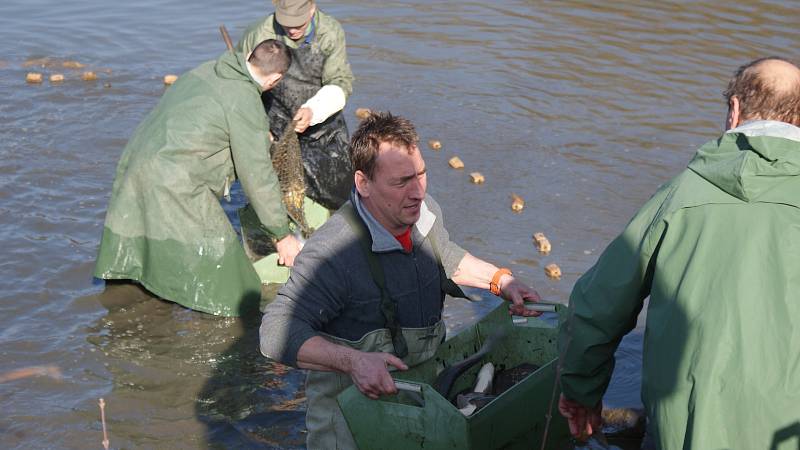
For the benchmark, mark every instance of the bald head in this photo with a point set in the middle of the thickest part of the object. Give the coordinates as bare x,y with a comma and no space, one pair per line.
779,74
766,89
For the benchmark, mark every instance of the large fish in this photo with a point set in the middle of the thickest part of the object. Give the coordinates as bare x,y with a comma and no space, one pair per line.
447,378
288,165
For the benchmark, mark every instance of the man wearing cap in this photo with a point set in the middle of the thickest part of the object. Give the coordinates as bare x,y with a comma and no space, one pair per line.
312,93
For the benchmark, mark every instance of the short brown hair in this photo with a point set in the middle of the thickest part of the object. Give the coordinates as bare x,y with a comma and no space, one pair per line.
271,56
376,129
758,96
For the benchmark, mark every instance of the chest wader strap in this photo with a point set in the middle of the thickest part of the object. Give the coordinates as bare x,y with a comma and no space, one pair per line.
448,286
388,306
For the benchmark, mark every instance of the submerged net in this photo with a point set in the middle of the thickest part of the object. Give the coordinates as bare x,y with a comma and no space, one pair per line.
288,165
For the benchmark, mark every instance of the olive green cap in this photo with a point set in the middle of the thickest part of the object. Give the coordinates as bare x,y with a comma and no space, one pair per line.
292,13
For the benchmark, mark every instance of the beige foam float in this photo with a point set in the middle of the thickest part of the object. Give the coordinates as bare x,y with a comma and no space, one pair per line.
72,65
517,203
33,77
456,163
542,243
363,113
552,271
477,178
51,63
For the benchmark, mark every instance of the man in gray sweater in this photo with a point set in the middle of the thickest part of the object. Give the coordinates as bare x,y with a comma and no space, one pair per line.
368,288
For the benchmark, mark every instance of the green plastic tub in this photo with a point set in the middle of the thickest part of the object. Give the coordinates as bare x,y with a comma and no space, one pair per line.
514,420
258,243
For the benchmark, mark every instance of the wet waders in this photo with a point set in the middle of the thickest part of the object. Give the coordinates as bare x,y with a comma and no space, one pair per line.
324,147
327,428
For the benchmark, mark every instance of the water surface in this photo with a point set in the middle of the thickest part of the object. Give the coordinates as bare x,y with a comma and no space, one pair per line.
582,109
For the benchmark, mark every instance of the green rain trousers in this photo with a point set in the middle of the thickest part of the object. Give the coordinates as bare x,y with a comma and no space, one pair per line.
717,249
327,427
165,227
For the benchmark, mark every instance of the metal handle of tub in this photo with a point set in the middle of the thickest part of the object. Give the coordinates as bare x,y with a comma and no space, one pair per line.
541,306
408,387
414,392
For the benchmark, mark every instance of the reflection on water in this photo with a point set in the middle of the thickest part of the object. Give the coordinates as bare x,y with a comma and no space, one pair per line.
179,376
582,109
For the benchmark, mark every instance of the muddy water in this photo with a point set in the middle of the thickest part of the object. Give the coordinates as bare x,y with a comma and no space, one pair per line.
581,109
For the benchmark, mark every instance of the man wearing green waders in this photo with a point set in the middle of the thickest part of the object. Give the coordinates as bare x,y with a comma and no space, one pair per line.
367,291
312,94
165,227
717,249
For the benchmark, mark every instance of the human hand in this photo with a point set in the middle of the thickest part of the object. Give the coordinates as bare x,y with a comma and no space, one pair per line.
518,293
370,373
583,421
288,248
302,119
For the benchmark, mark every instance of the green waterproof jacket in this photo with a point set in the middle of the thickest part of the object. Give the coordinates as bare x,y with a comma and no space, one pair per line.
330,39
165,226
717,249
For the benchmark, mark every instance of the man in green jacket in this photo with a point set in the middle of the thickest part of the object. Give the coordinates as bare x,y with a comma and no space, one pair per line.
312,94
716,249
165,227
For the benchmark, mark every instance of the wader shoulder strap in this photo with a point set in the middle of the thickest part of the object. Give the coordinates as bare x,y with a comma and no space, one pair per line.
388,306
448,286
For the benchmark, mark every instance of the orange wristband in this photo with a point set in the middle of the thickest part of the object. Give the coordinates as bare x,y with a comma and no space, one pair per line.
494,285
